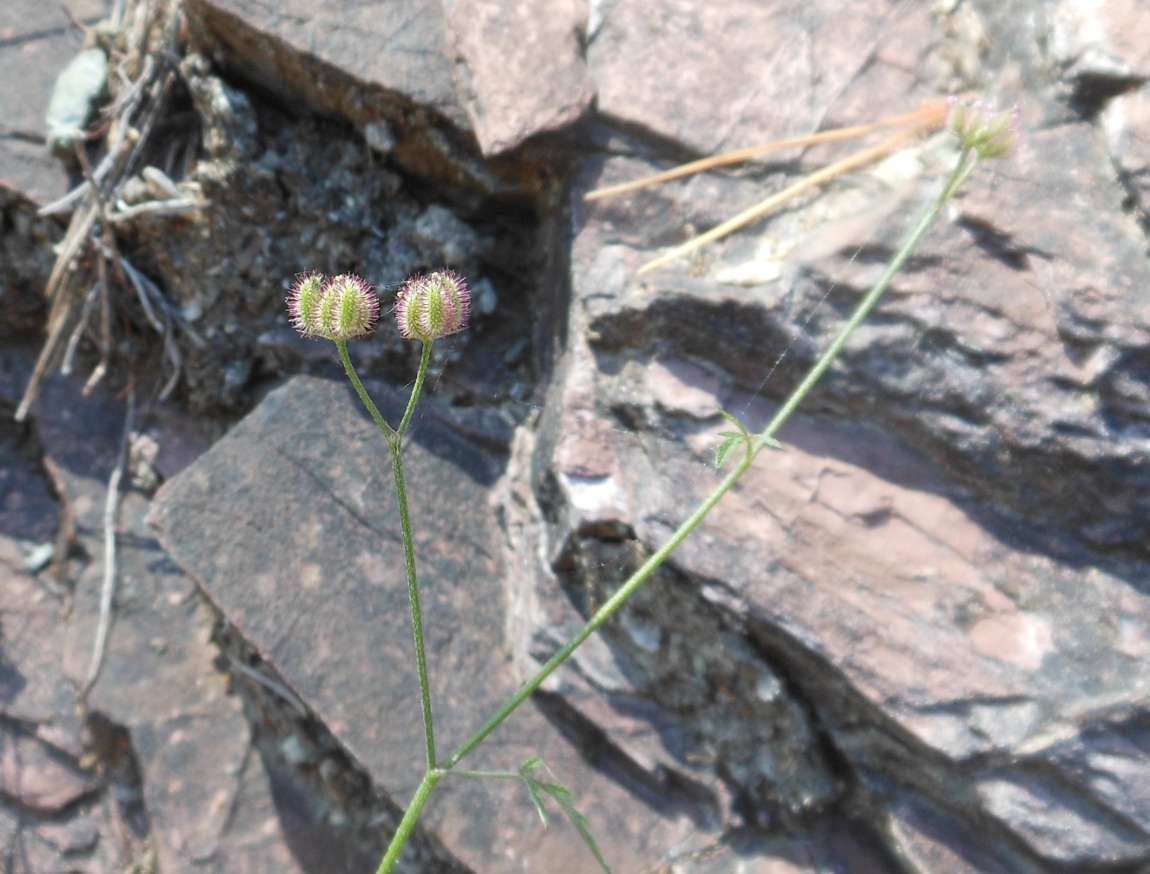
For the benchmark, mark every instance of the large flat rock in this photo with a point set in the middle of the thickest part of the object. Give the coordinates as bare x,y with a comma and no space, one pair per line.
290,526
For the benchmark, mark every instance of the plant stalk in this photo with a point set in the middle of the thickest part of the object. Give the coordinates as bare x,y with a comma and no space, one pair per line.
413,597
625,591
395,444
410,818
965,165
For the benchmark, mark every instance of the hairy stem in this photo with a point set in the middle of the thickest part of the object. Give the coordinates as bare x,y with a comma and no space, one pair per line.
965,165
413,597
368,403
410,818
395,444
604,613
424,360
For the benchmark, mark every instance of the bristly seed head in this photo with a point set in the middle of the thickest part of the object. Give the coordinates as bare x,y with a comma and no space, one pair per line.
336,309
303,302
430,307
988,132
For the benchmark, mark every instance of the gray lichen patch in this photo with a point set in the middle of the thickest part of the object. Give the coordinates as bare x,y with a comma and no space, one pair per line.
78,88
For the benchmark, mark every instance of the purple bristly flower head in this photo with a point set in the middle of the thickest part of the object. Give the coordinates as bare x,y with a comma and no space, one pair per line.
336,309
430,307
303,302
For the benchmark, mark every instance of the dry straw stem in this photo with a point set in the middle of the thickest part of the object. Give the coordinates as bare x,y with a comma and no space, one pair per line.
929,116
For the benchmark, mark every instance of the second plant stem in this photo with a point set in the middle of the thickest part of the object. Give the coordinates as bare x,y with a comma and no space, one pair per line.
963,168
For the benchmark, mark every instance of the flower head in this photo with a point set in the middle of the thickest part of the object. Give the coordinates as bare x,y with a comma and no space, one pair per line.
989,132
430,307
336,309
303,301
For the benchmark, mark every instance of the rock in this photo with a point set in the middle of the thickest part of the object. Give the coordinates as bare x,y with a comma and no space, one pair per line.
51,800
38,781
523,68
1009,635
757,72
321,595
38,43
169,737
837,849
306,195
996,310
928,839
1107,41
1127,121
30,173
911,640
435,85
1067,830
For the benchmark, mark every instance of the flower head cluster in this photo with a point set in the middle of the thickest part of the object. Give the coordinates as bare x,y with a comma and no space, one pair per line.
988,132
339,308
433,306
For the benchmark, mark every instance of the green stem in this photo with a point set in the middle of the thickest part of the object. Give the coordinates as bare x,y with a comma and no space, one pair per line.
424,360
961,171
964,167
395,444
362,392
486,775
413,596
410,817
604,613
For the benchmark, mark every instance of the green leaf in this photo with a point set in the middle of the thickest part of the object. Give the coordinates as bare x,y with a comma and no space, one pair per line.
728,446
564,800
772,442
532,764
537,800
557,791
734,420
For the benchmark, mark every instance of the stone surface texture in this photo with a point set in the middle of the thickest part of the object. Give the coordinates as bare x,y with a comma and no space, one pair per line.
913,640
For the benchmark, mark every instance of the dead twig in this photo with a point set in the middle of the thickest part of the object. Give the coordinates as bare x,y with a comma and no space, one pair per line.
273,686
144,77
813,180
151,298
929,116
107,590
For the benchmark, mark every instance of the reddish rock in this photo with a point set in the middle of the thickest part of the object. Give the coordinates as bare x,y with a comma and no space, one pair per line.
715,77
930,840
1107,41
521,67
1069,830
434,87
170,738
866,530
38,779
